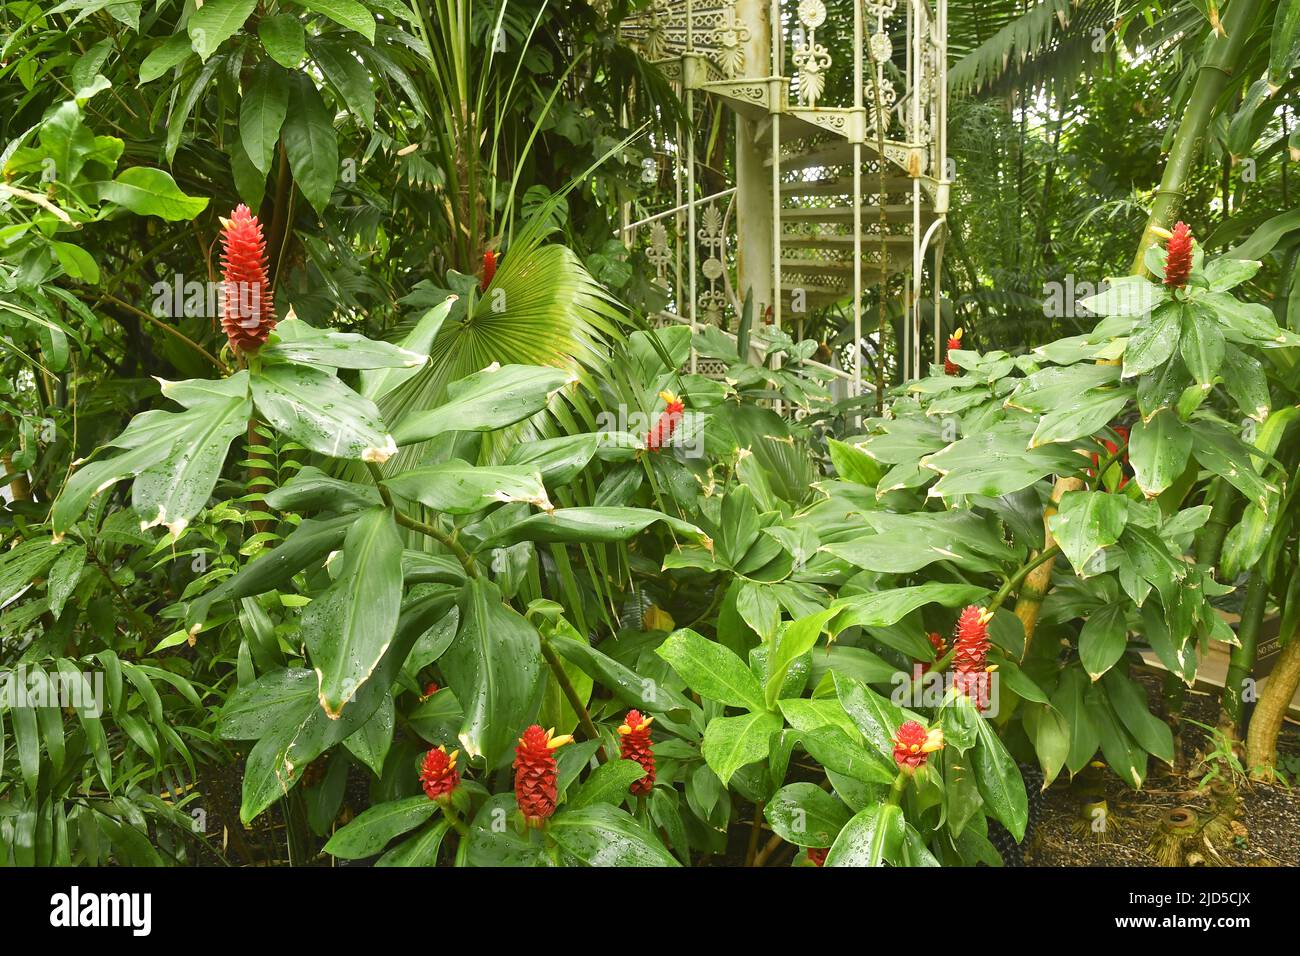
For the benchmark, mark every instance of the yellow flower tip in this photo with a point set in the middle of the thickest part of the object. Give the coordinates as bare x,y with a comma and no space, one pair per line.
985,615
991,668
957,334
1161,233
914,748
624,729
668,396
556,742
933,741
647,721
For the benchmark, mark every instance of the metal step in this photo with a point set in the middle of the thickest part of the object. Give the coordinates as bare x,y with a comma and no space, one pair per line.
843,186
839,241
837,269
893,213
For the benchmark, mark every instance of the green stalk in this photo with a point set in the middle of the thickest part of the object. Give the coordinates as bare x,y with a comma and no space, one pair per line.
1221,56
1242,663
571,695
1209,543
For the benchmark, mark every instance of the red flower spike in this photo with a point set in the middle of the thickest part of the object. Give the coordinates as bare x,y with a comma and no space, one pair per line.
438,773
949,366
818,855
534,768
913,744
1178,264
940,648
971,653
430,689
248,307
635,744
489,270
669,419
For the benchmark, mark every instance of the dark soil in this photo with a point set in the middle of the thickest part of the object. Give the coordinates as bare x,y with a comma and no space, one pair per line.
1261,830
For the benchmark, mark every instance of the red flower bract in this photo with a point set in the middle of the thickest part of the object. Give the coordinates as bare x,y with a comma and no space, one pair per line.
438,773
635,744
248,309
489,270
940,648
949,366
429,690
535,773
667,423
1178,264
1111,448
971,653
818,855
913,744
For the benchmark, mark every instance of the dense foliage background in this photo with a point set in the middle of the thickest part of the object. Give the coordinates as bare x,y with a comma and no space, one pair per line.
407,522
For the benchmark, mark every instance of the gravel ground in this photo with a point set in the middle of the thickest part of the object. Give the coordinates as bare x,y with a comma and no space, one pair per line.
1265,832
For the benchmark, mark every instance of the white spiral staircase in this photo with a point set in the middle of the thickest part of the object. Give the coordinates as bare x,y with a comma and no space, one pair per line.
806,225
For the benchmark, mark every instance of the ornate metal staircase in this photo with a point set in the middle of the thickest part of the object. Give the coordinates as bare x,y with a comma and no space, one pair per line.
807,225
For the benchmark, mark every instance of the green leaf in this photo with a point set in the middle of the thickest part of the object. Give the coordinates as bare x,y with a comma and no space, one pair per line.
1069,701
853,464
459,488
873,836
284,39
215,22
317,410
796,640
1245,380
1284,48
605,835
588,524
348,628
172,52
806,815
1158,450
839,753
734,742
877,718
376,383
883,608
1227,456
626,685
151,192
999,781
421,849
558,460
261,114
1127,296
608,783
1202,349
347,13
997,462
1103,639
1129,701
63,577
711,670
76,261
310,142
485,401
1085,415
1153,342
1087,522
1051,736
374,828
495,667
1223,273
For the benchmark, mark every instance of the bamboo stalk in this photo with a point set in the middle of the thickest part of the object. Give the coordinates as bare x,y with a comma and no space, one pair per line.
1271,708
1242,662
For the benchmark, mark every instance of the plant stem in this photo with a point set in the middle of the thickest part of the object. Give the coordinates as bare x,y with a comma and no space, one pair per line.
1034,588
1242,662
571,695
1022,572
1212,78
406,521
896,791
453,818
751,851
169,329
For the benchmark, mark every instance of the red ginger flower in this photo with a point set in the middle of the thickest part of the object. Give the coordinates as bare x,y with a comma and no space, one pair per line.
971,654
634,744
668,421
913,744
248,308
535,773
438,773
940,648
1178,264
949,366
430,689
489,270
818,854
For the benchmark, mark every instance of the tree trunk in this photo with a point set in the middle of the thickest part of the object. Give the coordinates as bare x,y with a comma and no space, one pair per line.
1266,722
